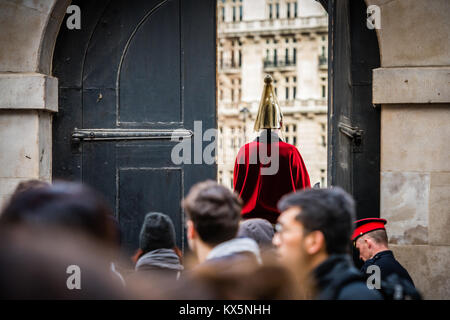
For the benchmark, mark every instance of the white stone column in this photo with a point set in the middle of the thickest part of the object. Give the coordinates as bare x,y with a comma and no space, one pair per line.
27,101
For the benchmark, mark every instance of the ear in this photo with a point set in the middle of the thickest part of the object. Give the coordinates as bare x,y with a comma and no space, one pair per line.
315,242
191,234
368,242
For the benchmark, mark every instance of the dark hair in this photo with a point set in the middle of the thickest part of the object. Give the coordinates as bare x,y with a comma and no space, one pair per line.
379,236
29,184
331,211
214,210
63,204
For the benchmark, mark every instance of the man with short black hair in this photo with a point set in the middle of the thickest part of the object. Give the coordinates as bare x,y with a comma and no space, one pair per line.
312,238
213,216
371,239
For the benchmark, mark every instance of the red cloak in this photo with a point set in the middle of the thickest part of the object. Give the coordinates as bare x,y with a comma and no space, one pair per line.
260,193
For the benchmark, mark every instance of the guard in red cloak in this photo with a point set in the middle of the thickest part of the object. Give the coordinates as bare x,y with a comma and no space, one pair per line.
267,168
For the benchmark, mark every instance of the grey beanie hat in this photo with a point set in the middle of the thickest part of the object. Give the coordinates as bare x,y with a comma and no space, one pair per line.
157,232
257,229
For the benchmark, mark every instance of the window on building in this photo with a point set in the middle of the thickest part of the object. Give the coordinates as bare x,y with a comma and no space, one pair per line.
221,10
323,92
288,14
270,12
294,142
277,6
240,11
287,93
294,92
295,9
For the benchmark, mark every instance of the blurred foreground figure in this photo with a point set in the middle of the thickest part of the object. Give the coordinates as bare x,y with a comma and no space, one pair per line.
65,205
245,281
267,168
312,238
74,209
53,264
27,185
213,215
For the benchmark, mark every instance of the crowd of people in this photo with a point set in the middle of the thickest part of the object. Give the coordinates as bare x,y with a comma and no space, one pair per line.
46,229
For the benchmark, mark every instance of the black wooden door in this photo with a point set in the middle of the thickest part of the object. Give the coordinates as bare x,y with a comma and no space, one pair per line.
135,72
353,121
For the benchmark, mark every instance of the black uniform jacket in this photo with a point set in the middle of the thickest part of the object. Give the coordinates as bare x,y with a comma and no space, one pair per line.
388,265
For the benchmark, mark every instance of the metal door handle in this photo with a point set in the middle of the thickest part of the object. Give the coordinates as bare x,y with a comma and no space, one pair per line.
79,135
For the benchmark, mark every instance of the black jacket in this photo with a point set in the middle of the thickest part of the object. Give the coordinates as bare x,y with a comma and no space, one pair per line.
337,279
388,265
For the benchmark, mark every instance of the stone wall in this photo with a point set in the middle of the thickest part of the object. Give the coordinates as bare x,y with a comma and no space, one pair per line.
412,87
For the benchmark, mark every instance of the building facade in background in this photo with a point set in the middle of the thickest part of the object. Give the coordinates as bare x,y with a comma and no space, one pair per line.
288,40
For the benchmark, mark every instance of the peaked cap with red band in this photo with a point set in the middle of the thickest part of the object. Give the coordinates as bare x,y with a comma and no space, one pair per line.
366,225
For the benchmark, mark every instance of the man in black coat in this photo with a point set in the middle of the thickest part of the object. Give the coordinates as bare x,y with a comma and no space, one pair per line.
370,238
312,240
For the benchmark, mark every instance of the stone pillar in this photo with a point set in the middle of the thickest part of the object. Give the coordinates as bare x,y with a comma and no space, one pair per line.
412,87
27,101
28,94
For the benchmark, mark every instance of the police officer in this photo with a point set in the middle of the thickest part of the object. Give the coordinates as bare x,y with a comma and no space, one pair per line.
370,238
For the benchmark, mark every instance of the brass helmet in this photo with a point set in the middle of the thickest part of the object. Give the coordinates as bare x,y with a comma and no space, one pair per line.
269,112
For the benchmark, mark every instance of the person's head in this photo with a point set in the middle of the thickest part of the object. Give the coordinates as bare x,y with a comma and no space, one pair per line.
29,184
257,229
43,263
157,232
313,224
67,205
371,243
213,214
